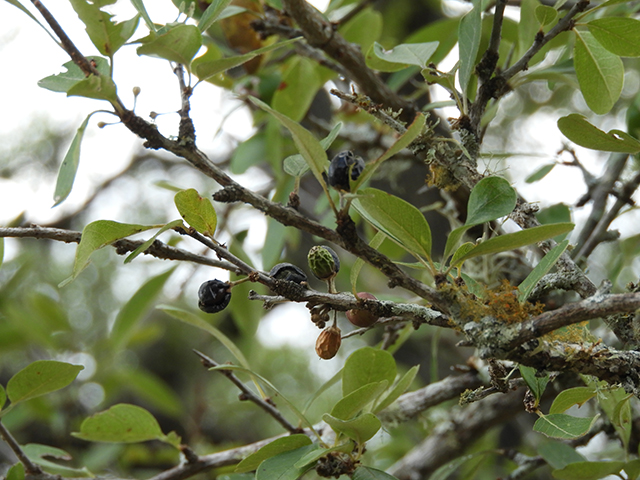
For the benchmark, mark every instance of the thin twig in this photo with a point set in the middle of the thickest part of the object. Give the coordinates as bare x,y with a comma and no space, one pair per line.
30,467
249,395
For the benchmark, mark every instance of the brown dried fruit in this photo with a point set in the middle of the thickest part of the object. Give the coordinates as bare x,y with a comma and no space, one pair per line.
362,318
328,342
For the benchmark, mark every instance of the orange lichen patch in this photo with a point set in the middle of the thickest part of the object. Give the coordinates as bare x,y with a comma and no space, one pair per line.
501,303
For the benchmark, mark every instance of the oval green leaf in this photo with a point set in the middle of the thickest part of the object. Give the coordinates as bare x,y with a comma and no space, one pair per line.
282,466
558,454
278,446
577,129
566,427
600,73
180,44
350,405
491,198
360,428
122,423
619,35
535,383
367,365
540,173
39,378
570,397
398,219
407,53
546,14
588,470
198,212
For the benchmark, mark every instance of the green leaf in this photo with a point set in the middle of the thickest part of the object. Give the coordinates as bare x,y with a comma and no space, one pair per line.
16,472
132,312
196,321
180,44
139,6
600,73
314,455
299,85
563,426
37,453
559,455
619,35
540,173
97,235
351,404
210,64
415,129
122,423
74,82
469,35
535,383
69,166
374,62
570,397
528,26
143,248
367,365
278,446
546,15
307,144
407,53
282,466
106,35
540,270
363,29
622,419
398,219
588,470
632,469
39,378
1,251
403,384
375,242
369,473
511,241
360,428
198,212
3,397
577,129
296,166
212,13
490,199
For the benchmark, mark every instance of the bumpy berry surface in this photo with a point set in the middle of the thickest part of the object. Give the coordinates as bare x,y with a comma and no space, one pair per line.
289,272
339,169
214,296
323,262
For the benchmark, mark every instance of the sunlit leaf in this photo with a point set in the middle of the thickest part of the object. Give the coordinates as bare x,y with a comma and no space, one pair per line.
197,211
570,397
619,35
122,423
398,219
367,365
563,426
39,378
577,129
212,13
74,82
69,166
600,73
180,44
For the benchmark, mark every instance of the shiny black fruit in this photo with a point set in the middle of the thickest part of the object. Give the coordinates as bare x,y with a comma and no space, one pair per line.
214,296
339,169
289,272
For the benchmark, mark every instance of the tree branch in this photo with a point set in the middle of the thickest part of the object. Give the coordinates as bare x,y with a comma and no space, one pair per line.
29,466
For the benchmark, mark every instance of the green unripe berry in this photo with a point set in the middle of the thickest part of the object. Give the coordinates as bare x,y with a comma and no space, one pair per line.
323,262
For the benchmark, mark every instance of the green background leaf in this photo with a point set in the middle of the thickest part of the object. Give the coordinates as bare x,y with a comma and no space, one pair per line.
367,365
180,44
39,378
69,166
197,211
122,423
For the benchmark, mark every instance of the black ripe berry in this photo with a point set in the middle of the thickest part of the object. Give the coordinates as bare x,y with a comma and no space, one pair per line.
341,165
214,296
289,272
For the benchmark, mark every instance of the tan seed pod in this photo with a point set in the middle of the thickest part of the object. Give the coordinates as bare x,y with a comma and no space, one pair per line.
328,343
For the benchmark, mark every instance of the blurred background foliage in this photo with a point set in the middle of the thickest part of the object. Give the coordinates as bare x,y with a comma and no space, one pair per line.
154,366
